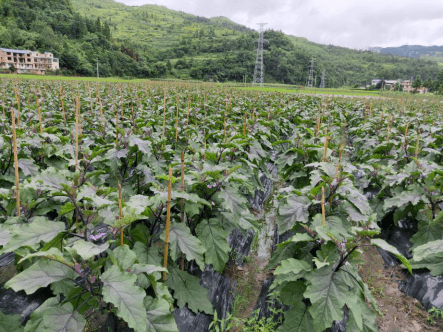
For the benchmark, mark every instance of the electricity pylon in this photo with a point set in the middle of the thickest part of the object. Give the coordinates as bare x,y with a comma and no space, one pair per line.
322,82
311,74
258,71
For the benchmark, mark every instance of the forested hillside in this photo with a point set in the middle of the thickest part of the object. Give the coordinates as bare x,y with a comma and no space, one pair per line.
54,26
153,41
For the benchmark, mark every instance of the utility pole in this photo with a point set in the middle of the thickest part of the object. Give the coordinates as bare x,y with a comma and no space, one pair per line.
258,71
97,68
311,74
322,82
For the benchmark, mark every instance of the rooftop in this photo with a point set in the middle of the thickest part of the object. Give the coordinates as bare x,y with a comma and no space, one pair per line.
15,51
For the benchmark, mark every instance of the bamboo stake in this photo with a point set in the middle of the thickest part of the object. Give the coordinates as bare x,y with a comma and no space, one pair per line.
164,114
339,161
224,126
187,119
63,110
17,100
182,202
244,125
325,149
204,143
417,147
406,132
176,124
182,187
323,213
116,129
17,180
79,116
39,115
76,138
90,100
101,116
168,220
120,211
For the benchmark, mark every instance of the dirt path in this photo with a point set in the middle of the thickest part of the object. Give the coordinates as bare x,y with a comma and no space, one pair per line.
401,313
250,277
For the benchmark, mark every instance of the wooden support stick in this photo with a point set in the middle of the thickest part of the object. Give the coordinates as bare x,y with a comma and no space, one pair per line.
323,213
164,114
417,147
116,129
182,202
168,221
176,124
325,149
120,211
39,115
17,179
76,137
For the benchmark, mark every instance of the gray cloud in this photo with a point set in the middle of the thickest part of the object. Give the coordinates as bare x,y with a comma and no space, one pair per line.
349,23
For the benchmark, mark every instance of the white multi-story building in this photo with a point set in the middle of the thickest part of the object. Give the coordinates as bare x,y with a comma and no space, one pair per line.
25,61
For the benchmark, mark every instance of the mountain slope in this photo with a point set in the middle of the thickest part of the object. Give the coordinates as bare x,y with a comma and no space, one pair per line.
415,51
153,41
195,47
55,26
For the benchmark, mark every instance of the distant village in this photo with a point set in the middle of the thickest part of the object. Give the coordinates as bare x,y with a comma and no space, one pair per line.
403,85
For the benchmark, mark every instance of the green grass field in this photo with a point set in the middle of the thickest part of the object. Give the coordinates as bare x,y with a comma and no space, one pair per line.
67,78
338,92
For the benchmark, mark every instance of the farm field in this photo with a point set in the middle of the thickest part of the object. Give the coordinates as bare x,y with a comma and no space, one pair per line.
335,92
129,200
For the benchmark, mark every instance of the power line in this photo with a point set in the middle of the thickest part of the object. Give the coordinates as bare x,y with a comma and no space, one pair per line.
258,71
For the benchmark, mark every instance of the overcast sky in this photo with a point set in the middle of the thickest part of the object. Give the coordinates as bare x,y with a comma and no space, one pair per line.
349,23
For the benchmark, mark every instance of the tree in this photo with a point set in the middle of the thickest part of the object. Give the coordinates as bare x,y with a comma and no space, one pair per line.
417,83
169,65
398,87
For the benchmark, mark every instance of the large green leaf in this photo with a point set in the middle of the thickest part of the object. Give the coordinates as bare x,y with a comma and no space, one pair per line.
61,319
120,290
181,240
350,193
187,290
123,256
40,274
292,292
28,167
41,229
429,256
232,200
297,319
367,318
5,236
147,268
291,270
328,293
213,237
428,230
294,210
387,247
10,323
51,317
159,318
414,195
88,249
